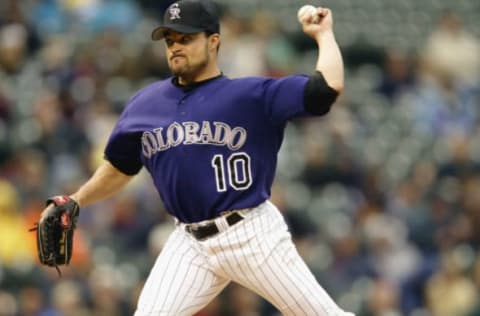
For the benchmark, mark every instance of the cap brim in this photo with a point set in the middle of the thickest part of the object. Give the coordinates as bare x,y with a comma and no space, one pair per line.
159,32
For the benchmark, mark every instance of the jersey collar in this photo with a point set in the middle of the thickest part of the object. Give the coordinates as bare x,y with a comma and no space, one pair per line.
190,87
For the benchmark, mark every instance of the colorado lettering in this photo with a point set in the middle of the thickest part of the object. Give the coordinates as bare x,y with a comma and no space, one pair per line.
190,133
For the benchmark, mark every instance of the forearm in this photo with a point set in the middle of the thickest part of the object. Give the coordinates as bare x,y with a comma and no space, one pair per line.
105,182
330,62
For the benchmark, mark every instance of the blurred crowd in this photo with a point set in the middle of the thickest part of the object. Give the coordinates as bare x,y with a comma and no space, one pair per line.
382,195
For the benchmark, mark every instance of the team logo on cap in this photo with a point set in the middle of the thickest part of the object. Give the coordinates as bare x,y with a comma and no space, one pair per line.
174,12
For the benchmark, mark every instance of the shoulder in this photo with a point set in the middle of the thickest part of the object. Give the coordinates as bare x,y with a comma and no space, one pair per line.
249,81
247,84
240,88
262,81
265,84
153,89
259,87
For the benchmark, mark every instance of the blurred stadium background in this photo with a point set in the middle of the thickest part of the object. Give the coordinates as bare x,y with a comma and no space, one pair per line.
382,195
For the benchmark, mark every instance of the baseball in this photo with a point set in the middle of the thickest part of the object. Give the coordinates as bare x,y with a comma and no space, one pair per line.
306,12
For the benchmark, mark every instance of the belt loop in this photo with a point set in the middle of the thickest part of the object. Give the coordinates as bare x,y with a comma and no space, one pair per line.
206,229
221,223
243,212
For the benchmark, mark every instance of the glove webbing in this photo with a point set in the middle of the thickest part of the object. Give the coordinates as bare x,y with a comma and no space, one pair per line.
52,255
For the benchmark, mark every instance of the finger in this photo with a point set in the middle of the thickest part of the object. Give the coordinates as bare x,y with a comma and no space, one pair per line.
308,19
311,19
322,12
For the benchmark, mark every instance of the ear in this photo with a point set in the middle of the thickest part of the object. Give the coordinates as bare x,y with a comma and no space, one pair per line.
214,42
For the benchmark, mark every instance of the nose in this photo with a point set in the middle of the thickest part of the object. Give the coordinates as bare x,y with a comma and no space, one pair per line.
175,47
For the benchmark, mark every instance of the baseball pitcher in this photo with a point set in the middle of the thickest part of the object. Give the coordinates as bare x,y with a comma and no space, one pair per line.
210,144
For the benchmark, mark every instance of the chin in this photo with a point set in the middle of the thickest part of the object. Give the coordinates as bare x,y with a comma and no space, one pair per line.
179,70
179,74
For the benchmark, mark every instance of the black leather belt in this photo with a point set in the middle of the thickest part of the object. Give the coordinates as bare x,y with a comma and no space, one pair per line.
202,232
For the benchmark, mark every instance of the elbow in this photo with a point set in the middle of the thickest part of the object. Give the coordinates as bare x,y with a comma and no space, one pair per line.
328,100
338,86
321,102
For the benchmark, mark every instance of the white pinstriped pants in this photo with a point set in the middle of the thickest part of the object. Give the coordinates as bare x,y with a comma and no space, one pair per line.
257,253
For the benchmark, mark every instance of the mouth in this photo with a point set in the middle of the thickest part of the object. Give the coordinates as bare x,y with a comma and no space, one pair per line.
177,56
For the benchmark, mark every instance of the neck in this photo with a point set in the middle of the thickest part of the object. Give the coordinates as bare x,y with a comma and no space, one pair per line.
206,74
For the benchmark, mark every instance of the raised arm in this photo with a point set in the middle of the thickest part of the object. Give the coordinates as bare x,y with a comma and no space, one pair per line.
329,61
106,181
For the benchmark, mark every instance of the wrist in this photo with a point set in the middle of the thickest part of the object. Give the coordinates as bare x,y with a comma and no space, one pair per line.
325,36
76,198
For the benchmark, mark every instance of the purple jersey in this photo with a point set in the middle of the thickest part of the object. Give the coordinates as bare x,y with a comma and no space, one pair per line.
212,148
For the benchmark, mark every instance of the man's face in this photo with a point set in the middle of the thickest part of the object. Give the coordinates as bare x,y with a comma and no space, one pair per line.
187,54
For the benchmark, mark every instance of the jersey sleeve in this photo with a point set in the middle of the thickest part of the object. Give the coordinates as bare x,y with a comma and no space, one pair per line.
123,148
284,97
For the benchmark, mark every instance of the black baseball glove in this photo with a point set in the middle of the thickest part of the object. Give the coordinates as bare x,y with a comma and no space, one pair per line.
55,231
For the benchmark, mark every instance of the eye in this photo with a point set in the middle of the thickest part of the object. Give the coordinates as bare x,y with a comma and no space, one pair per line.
185,39
169,42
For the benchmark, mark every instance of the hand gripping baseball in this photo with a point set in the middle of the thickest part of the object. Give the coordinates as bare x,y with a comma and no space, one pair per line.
315,21
55,231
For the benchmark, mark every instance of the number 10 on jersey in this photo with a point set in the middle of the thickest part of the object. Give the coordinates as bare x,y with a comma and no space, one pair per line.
236,168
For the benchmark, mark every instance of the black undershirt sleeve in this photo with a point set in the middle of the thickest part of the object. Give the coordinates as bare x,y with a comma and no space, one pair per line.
123,152
124,167
318,96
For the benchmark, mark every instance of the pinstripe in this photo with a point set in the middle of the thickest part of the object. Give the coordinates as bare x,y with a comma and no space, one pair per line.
235,259
244,276
228,262
228,249
190,288
311,284
303,278
315,288
200,301
280,283
219,266
257,253
157,267
226,259
205,274
283,237
168,274
172,274
266,293
184,280
293,283
263,291
307,278
210,290
260,269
